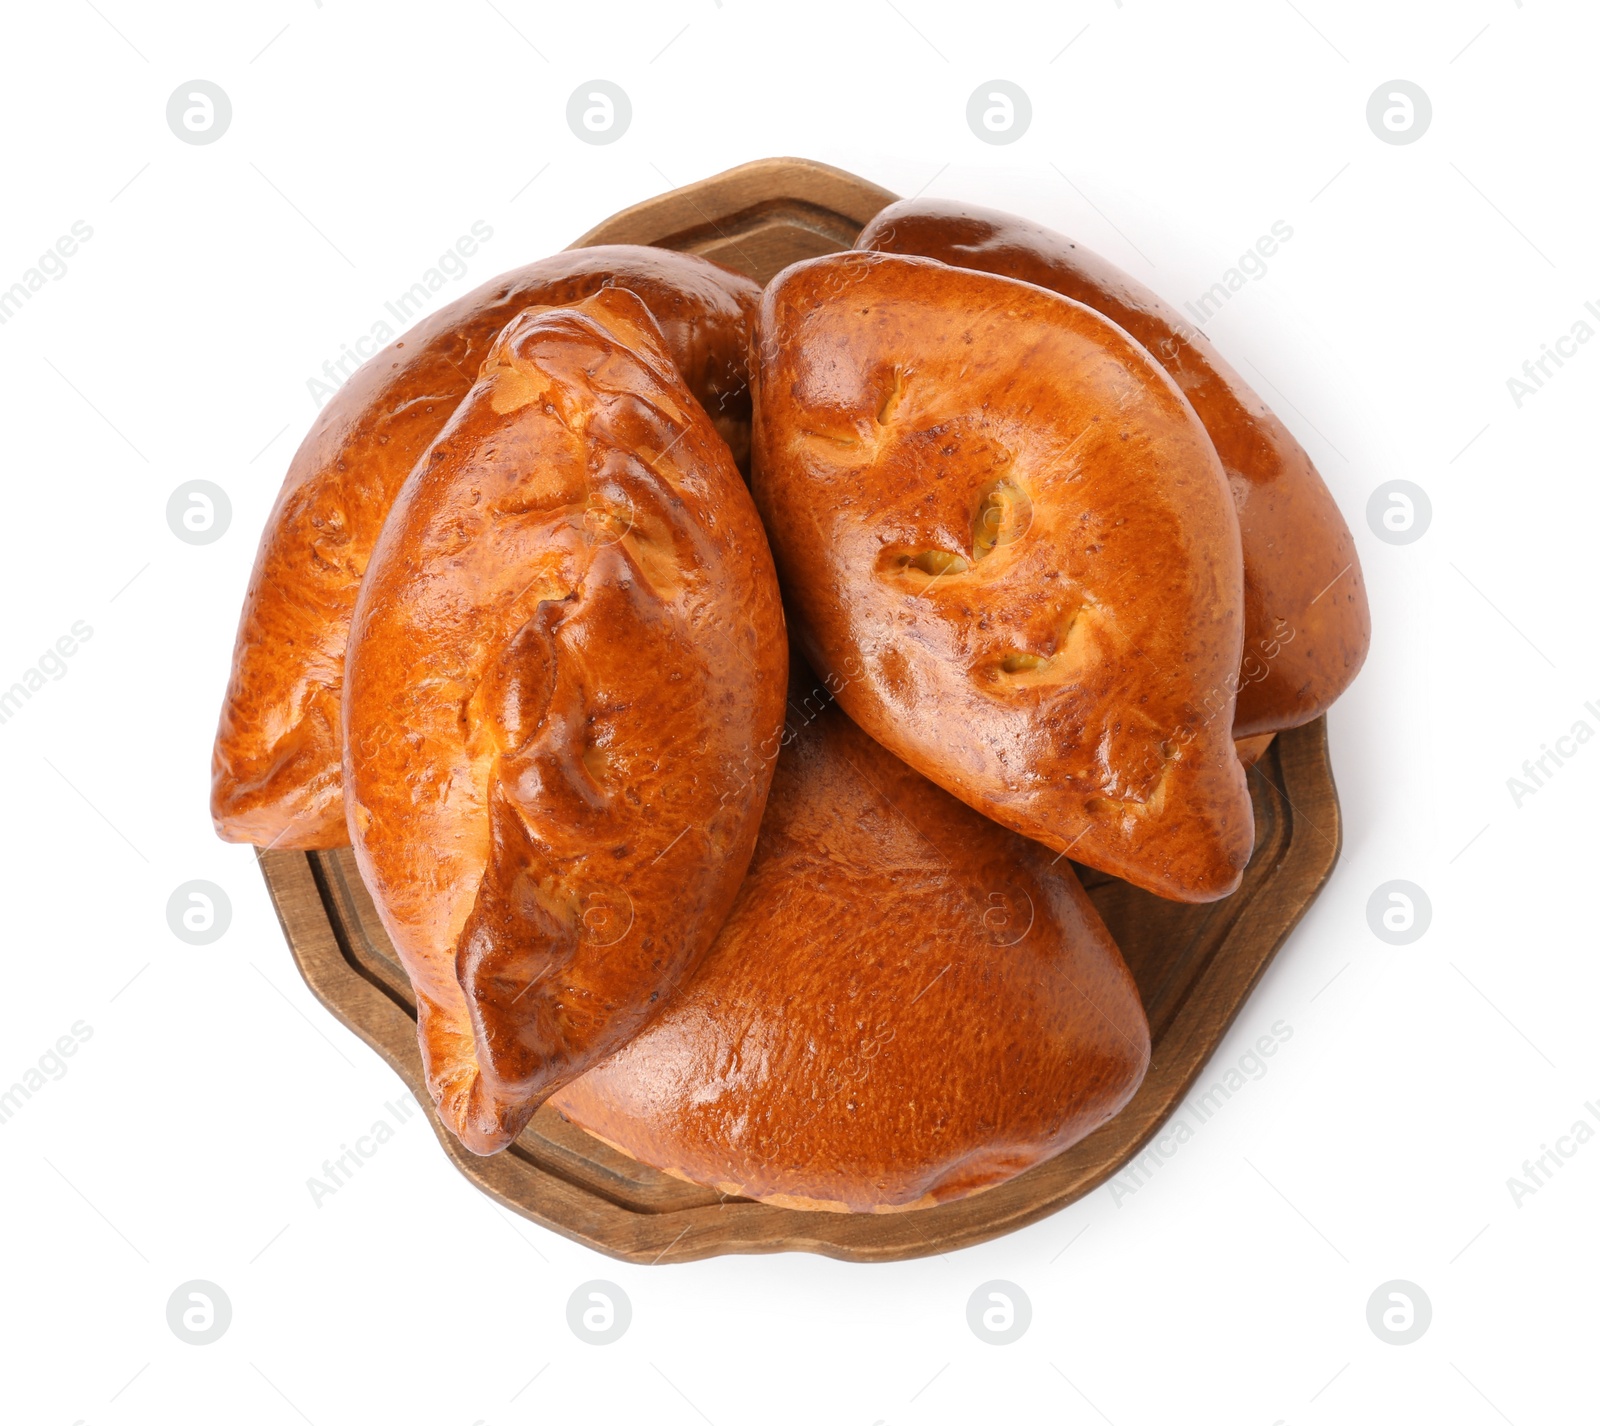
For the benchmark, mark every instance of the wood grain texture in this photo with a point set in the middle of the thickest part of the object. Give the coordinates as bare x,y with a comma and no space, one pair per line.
757,218
1195,965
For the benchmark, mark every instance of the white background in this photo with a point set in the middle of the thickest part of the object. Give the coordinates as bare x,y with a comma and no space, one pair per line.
1168,136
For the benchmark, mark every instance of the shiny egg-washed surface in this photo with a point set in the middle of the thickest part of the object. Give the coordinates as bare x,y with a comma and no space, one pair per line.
1307,625
564,692
275,765
1002,528
906,1004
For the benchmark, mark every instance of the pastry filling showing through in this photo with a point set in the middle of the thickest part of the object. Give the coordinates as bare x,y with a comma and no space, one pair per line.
1047,660
1072,644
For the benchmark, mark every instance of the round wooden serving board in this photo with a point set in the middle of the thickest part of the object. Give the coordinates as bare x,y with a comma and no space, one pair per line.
1195,965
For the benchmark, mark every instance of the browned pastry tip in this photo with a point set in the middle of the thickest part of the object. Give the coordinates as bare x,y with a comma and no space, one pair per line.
275,764
907,1003
1307,625
1000,525
1252,749
566,660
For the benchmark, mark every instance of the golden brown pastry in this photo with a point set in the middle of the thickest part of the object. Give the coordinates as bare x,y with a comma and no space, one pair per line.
275,766
1252,749
1306,620
1000,525
907,1003
563,694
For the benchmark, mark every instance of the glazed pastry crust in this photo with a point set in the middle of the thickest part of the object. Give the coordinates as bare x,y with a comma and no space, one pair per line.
1307,625
908,1004
566,659
275,764
998,522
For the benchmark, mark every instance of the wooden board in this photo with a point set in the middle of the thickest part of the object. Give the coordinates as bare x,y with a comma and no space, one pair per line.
757,218
1195,965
